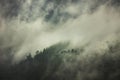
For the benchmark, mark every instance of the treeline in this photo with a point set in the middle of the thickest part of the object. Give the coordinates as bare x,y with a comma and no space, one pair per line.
40,67
59,63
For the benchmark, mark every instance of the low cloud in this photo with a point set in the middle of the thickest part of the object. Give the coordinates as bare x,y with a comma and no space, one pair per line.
40,24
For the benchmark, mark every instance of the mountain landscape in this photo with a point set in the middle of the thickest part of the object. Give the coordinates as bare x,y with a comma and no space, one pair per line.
59,40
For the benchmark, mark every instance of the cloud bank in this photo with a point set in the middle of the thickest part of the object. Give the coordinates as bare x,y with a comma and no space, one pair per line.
30,25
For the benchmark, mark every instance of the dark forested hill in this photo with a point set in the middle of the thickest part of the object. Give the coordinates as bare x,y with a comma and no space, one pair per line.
56,63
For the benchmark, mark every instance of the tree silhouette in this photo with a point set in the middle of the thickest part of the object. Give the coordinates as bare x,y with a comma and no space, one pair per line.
51,64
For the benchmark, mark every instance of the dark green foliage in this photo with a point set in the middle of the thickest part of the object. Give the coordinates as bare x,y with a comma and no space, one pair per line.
35,68
59,63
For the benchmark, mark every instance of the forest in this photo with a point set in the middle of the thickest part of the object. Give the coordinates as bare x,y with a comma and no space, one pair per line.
59,39
58,63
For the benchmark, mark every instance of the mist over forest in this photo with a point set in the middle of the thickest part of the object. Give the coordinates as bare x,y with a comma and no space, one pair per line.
59,40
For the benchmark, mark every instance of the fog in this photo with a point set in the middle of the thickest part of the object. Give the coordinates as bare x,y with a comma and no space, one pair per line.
30,25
